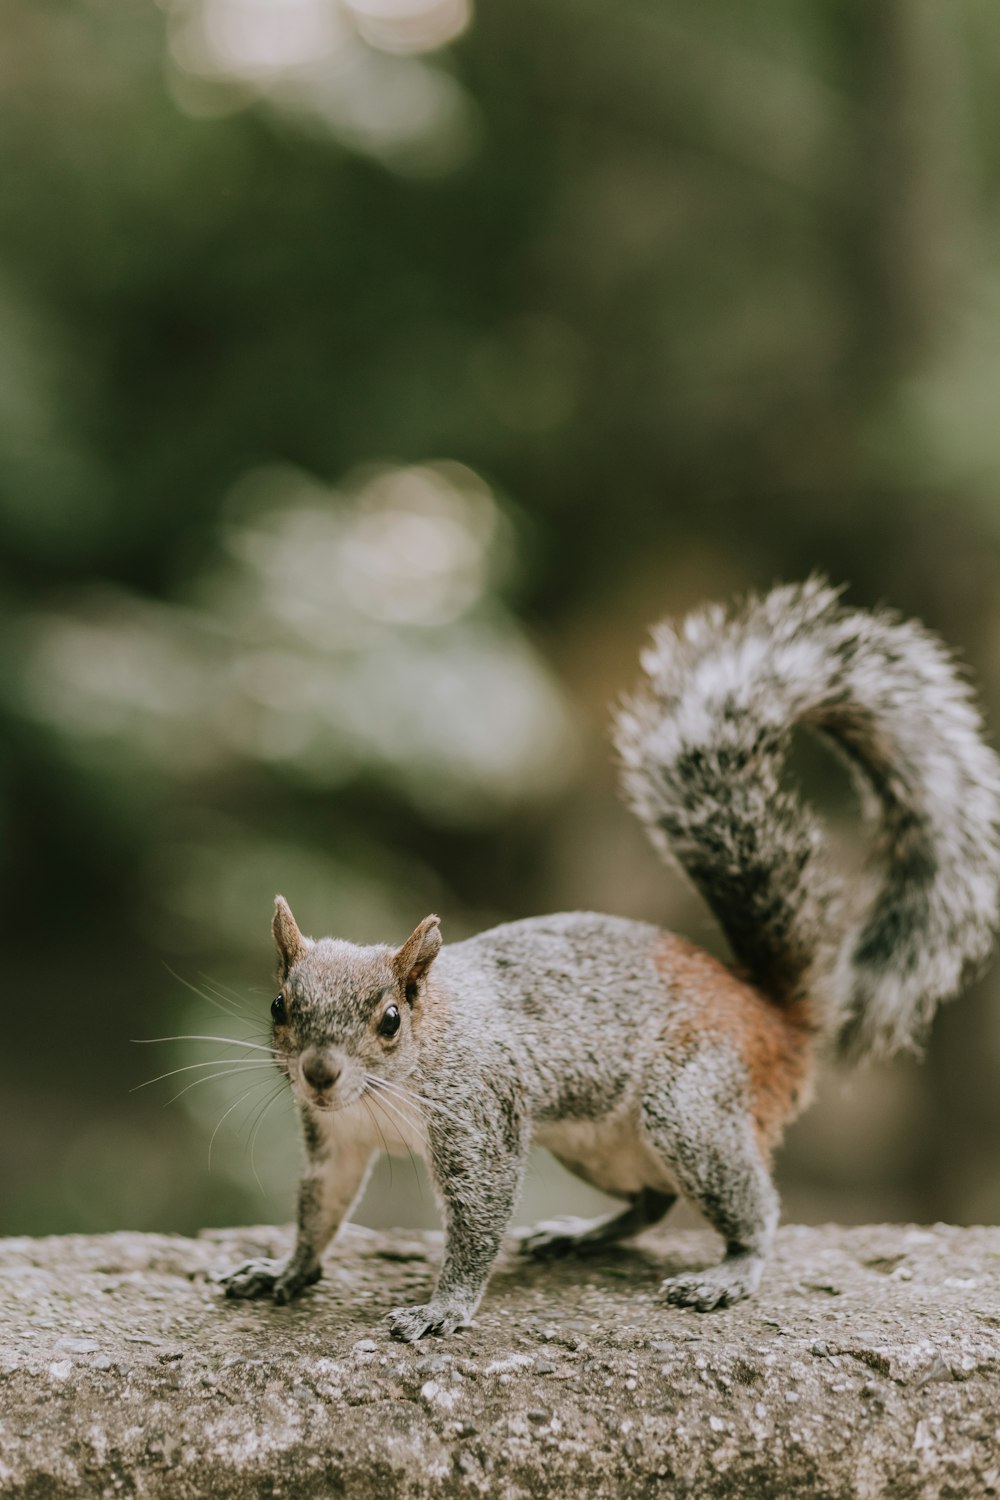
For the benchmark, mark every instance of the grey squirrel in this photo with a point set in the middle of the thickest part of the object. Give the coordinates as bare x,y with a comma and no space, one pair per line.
646,1066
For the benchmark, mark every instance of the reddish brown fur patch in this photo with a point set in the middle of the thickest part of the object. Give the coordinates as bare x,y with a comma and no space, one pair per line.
775,1043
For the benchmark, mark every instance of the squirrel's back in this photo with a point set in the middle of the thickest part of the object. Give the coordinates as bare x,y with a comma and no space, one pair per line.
608,997
703,745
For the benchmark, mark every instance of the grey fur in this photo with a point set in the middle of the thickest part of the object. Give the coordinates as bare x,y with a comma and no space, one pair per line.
617,1047
703,746
550,1029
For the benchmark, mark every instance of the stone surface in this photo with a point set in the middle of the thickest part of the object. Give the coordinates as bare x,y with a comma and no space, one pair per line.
868,1365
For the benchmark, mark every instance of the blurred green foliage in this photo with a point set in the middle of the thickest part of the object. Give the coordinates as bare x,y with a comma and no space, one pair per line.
371,373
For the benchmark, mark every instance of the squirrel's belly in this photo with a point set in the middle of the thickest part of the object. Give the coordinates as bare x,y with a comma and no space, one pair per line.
608,1153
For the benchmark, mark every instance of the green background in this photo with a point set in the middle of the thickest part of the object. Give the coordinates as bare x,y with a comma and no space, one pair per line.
371,375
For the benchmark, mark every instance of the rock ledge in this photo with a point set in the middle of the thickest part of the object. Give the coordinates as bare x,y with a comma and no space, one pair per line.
868,1365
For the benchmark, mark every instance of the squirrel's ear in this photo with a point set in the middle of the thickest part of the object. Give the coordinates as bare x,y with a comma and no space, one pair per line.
288,940
421,948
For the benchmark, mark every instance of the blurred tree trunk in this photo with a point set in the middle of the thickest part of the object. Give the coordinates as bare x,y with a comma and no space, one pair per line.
924,244
919,151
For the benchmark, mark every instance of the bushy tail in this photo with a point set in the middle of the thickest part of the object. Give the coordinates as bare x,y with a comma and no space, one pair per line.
703,744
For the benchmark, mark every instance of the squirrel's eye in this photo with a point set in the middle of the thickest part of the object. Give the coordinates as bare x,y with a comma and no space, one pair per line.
389,1024
278,1010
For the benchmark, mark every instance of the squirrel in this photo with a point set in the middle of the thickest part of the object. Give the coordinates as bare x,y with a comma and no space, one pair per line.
648,1067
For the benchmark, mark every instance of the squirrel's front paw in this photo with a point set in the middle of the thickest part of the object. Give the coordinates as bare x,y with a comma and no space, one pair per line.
262,1278
254,1278
411,1323
720,1286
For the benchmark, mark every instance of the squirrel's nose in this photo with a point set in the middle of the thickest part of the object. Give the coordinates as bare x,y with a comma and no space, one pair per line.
318,1071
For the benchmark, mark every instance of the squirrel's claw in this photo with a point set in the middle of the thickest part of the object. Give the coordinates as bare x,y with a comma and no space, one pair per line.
262,1278
719,1286
254,1278
411,1323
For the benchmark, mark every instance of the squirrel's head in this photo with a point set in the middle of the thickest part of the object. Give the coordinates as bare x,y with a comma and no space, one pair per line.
345,1016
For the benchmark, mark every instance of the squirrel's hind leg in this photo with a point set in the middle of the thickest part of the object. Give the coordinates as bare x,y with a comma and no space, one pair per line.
582,1236
696,1116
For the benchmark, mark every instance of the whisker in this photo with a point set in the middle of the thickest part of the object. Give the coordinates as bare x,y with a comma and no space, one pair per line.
227,1073
250,1120
221,1003
226,991
258,1083
385,1148
215,1062
401,1088
404,1093
232,1041
248,1117
383,1103
195,990
227,1010
255,1024
404,1107
253,1139
395,1113
395,1106
387,1102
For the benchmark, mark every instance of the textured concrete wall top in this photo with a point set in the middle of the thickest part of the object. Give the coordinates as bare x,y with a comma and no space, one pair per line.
869,1365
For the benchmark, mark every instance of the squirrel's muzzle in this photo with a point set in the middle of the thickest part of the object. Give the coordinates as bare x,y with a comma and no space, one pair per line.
319,1070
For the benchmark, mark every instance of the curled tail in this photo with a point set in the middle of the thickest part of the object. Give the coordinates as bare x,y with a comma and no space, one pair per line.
703,743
